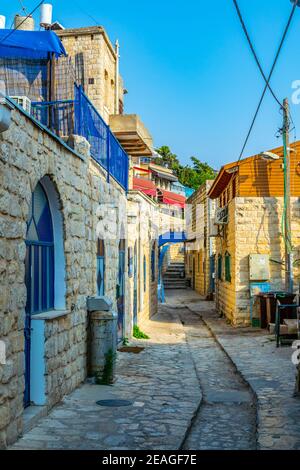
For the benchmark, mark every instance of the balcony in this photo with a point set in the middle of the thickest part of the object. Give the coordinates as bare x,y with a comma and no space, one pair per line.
80,117
132,134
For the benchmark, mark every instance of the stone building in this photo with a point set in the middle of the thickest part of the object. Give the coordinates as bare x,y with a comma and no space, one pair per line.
249,214
142,215
63,238
200,247
96,64
160,184
49,215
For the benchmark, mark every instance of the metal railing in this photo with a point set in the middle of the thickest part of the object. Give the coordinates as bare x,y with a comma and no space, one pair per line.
58,116
105,148
80,117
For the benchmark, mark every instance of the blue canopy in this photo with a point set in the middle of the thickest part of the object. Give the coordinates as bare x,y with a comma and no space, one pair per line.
30,44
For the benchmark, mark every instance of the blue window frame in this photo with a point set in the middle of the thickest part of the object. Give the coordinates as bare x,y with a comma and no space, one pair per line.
130,262
153,270
100,267
40,254
227,267
145,273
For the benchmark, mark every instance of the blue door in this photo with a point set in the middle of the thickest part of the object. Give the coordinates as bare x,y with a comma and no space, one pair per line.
121,290
135,287
39,270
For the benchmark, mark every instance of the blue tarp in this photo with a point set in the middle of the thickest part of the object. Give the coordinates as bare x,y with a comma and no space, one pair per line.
30,44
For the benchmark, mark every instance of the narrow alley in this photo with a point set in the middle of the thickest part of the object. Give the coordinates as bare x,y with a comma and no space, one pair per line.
191,387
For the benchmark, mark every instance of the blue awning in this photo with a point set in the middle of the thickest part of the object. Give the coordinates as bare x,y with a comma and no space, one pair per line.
30,44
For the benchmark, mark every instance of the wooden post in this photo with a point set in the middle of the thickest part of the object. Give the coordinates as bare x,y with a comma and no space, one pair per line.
51,90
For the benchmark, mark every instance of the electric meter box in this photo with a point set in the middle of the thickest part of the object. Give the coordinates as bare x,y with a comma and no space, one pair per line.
259,267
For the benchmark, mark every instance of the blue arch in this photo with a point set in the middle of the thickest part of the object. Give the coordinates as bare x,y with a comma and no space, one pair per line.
172,237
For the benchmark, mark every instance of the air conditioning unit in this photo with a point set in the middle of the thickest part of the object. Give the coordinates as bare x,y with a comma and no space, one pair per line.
23,101
213,228
221,216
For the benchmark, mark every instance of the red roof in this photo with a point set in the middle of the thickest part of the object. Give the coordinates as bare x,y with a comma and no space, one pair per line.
173,199
146,186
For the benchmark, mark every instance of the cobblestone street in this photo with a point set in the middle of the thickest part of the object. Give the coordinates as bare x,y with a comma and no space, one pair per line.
198,384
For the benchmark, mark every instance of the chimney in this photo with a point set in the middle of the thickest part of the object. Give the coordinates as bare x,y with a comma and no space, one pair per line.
24,23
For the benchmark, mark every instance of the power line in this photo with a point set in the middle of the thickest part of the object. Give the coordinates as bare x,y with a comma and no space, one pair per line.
23,6
269,78
86,13
23,21
253,50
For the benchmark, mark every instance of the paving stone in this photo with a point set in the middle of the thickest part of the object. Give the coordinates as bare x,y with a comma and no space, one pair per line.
269,371
161,381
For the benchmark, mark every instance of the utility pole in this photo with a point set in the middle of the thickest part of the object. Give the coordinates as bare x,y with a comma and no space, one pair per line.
287,199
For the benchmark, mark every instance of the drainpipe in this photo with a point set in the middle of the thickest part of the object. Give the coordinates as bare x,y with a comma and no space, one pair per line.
117,50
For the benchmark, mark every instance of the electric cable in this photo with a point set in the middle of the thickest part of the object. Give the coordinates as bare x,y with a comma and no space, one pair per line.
253,51
268,79
23,7
23,21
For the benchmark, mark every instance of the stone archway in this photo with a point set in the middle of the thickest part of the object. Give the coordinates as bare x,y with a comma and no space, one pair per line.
45,282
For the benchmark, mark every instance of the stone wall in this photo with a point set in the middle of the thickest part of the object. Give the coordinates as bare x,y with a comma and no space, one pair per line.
92,48
199,212
142,222
254,227
27,155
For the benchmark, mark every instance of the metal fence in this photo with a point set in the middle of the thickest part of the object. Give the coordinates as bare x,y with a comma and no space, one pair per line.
79,116
105,148
58,116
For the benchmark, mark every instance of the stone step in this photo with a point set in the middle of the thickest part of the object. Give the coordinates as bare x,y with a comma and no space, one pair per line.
175,284
174,275
175,268
169,287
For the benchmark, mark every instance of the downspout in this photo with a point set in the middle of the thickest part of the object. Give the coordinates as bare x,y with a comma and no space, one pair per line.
117,50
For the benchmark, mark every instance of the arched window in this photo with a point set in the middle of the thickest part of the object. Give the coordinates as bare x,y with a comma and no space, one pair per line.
153,251
45,281
40,254
100,267
145,273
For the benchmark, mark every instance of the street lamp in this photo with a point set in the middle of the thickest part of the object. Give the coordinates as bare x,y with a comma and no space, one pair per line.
269,156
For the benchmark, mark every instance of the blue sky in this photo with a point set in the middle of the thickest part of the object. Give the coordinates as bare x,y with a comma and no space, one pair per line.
189,71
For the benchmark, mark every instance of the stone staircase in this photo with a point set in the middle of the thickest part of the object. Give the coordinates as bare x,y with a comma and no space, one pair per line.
174,277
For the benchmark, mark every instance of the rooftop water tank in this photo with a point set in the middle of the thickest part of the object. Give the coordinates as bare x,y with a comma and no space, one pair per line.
46,15
2,22
24,23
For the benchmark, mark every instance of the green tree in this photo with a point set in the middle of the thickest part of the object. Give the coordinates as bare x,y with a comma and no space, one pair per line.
191,176
167,158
